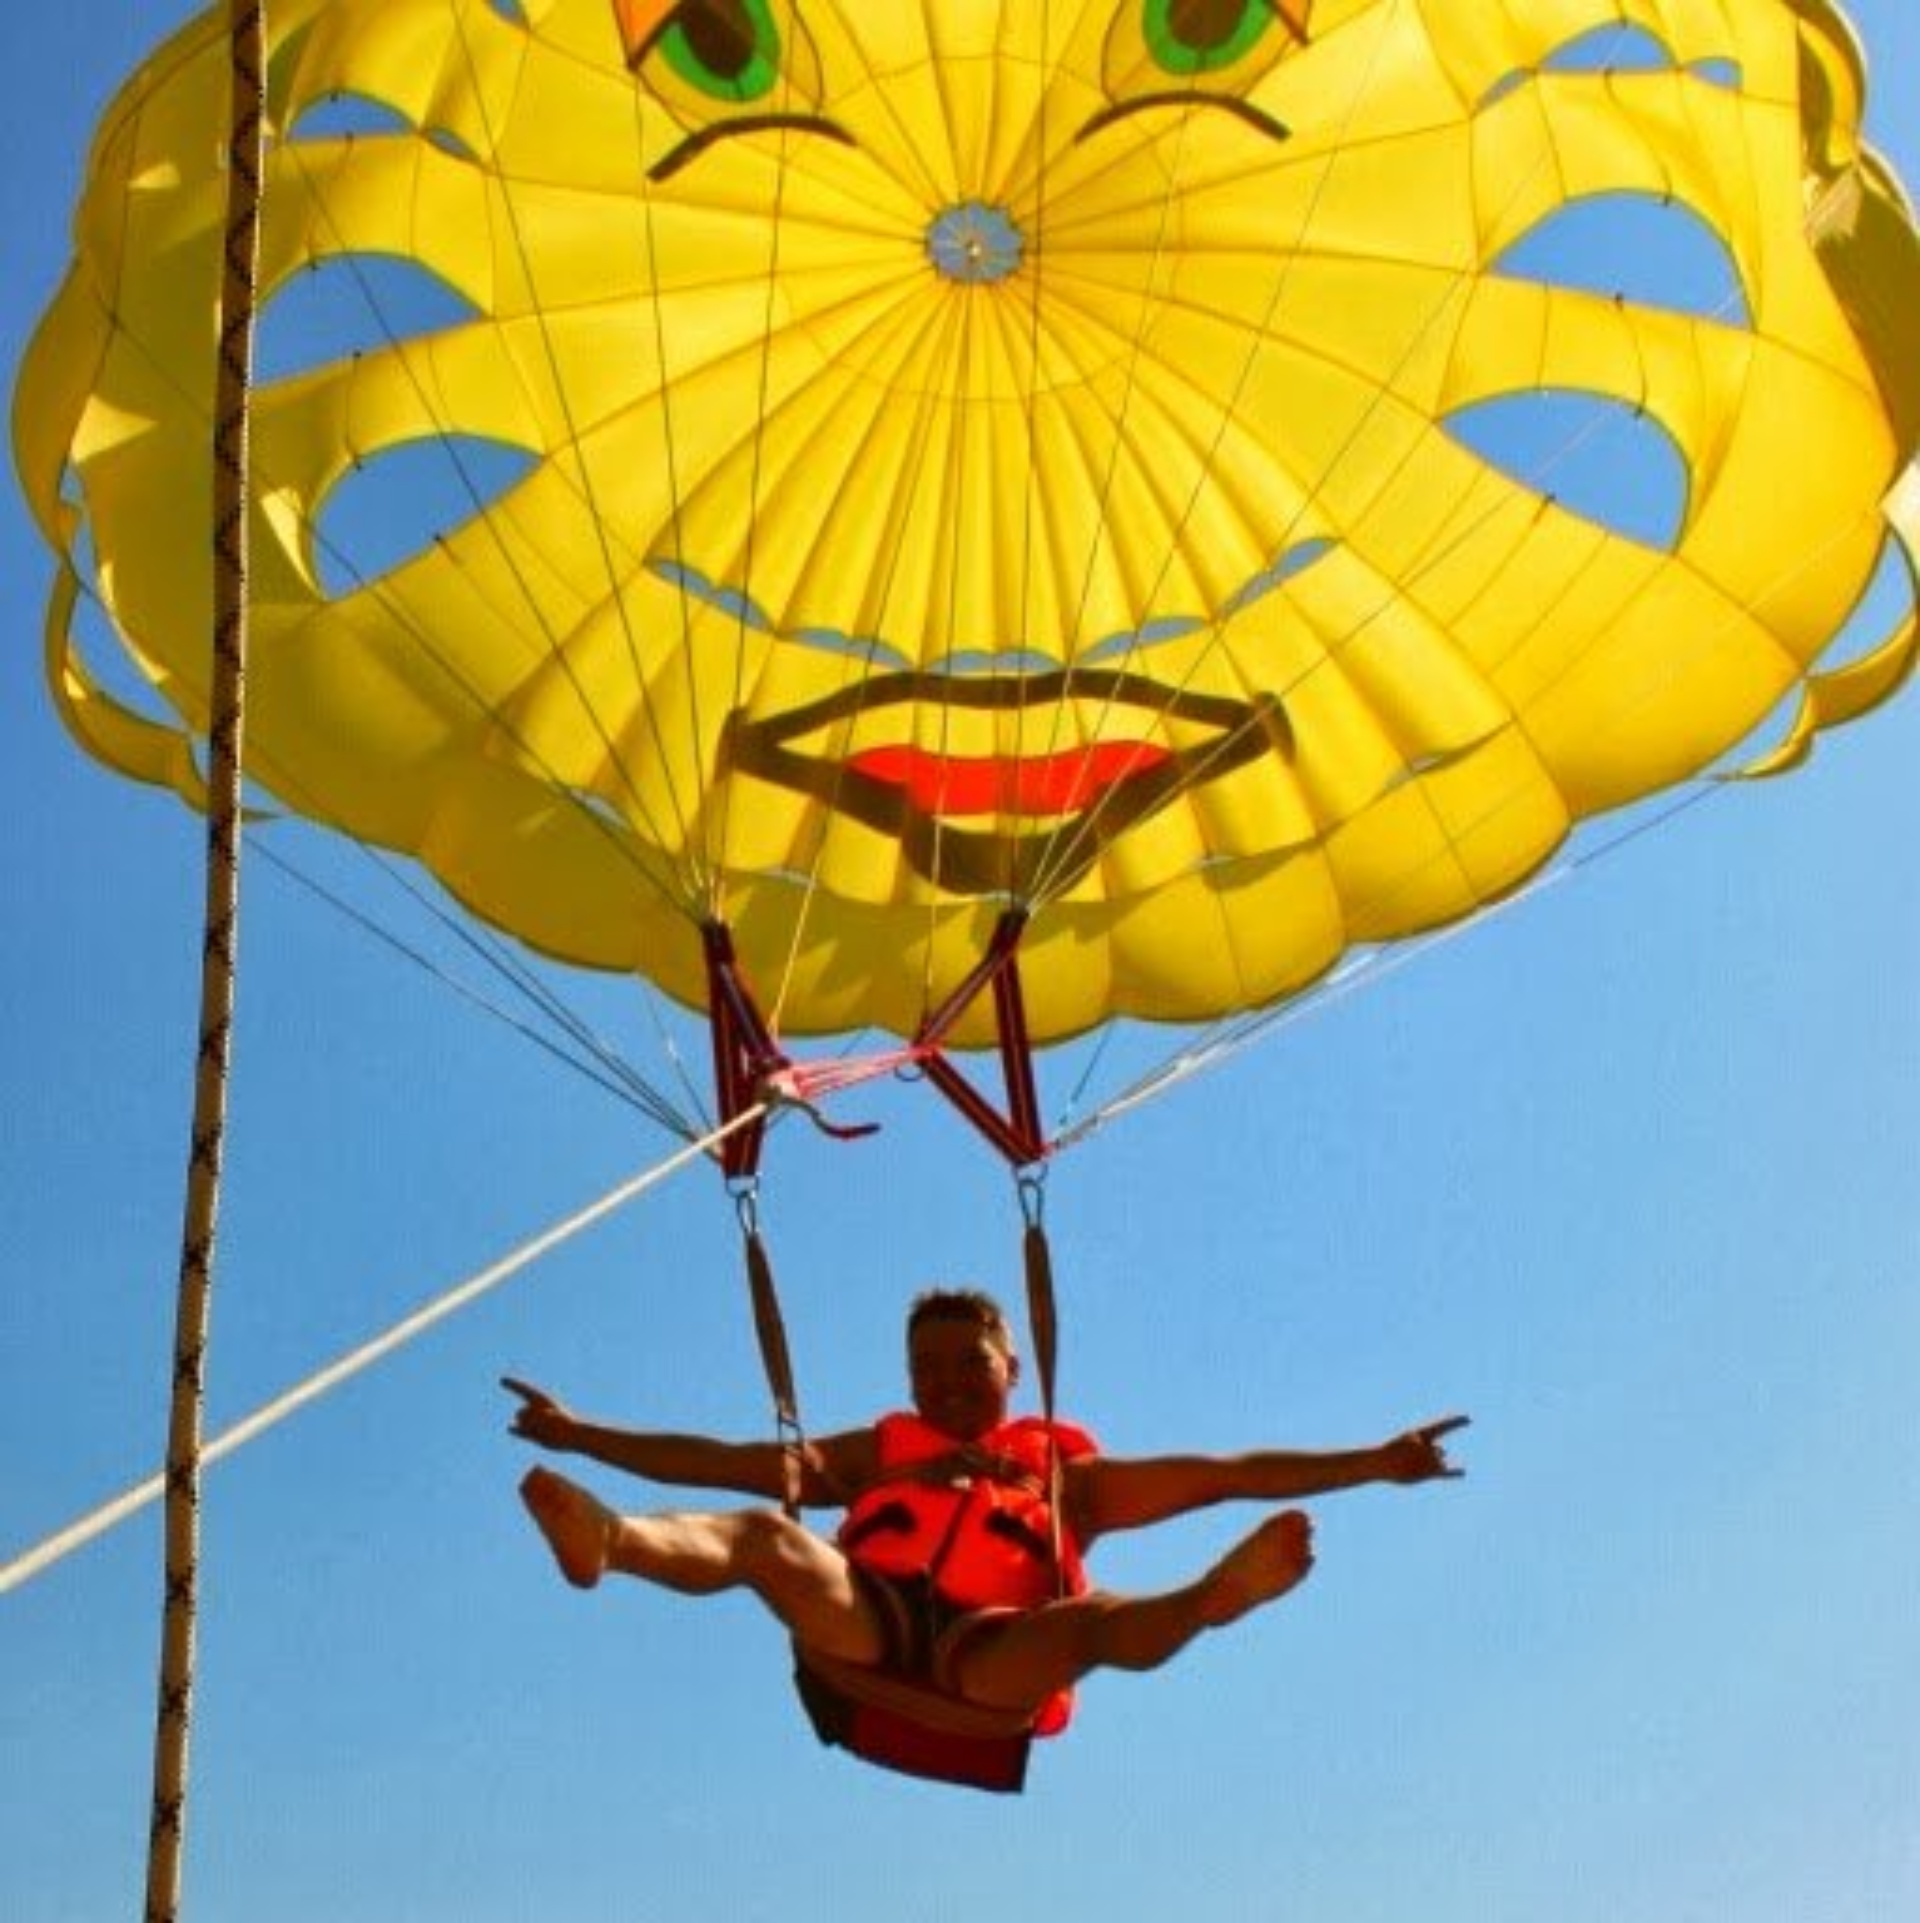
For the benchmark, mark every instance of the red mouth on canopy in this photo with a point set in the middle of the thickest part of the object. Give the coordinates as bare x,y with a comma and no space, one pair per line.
950,786
986,823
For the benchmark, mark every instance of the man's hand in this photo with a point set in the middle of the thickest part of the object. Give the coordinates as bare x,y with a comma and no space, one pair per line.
540,1418
1419,1455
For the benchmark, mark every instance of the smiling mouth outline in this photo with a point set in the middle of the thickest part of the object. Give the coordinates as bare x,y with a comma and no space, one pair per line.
1053,853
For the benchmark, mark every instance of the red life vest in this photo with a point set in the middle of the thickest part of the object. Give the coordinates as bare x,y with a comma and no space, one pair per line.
974,1517
974,1521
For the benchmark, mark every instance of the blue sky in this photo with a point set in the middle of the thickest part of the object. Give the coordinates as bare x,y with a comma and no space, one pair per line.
1627,1173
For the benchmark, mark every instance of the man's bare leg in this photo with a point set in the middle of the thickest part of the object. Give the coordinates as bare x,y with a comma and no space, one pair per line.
806,1582
1019,1662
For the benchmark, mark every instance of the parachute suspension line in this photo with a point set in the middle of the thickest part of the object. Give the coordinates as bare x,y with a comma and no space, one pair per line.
357,1361
729,1000
401,617
1062,873
1017,886
669,443
1065,854
703,876
606,1066
1053,859
166,1837
598,1060
596,520
406,622
681,896
804,865
1092,1062
840,759
590,1055
1062,858
1229,1038
718,827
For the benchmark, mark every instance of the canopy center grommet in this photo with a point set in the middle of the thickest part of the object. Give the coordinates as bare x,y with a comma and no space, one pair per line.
975,242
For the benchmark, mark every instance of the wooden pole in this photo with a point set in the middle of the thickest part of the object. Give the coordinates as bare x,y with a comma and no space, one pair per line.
226,733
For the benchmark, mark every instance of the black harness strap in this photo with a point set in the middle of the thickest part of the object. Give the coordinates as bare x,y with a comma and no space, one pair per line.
1044,1323
776,1359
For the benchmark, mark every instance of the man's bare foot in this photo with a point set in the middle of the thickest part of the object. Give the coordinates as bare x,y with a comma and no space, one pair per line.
578,1526
1258,1568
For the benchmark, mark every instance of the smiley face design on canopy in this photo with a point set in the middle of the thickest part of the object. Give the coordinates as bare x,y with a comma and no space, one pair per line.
985,453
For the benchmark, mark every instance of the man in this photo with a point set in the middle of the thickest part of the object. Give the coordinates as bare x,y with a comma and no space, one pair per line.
953,1567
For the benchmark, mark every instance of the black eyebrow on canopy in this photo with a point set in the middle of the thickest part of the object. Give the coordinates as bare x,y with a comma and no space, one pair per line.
1245,110
697,143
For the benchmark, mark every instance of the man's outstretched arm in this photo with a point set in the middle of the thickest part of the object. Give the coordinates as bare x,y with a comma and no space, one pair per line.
1117,1492
833,1466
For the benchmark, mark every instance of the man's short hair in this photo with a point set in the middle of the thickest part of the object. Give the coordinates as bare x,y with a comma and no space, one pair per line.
975,1306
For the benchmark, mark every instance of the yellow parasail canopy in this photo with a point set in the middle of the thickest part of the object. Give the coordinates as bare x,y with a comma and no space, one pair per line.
985,454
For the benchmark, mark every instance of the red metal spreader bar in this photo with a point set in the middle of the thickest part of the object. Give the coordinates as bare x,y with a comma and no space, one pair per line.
750,1067
1016,1132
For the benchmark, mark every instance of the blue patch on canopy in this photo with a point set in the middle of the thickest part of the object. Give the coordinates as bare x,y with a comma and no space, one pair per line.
1617,49
1149,634
349,116
400,502
348,305
698,587
1292,561
1639,248
1611,49
352,116
866,648
1588,453
986,664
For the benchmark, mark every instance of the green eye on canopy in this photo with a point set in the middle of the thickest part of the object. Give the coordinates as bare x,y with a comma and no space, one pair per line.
1189,37
727,49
